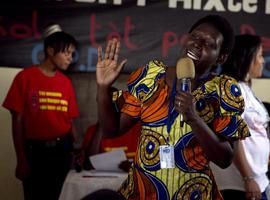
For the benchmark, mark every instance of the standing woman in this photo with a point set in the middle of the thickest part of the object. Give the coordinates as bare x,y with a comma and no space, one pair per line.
42,104
246,178
172,161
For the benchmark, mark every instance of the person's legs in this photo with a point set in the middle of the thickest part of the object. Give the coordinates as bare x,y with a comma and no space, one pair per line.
48,169
58,164
29,189
40,173
61,160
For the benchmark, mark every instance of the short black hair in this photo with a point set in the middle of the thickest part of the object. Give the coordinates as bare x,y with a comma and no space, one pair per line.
221,24
59,41
238,63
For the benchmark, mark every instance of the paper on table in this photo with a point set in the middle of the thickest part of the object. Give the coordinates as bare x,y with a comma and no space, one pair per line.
108,161
103,174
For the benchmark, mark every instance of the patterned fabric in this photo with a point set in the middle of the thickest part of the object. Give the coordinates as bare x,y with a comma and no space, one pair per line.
219,103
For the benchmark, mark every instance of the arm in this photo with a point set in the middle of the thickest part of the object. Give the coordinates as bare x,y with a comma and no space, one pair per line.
95,142
213,146
108,70
19,142
73,131
240,161
90,146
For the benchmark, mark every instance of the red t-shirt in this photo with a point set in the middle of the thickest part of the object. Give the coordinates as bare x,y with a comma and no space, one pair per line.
128,141
47,103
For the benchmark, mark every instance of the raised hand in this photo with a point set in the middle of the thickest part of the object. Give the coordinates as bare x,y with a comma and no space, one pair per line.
108,68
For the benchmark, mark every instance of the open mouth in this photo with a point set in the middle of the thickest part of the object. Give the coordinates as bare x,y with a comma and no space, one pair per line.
192,55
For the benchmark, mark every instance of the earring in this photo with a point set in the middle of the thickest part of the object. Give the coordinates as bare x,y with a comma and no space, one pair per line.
247,78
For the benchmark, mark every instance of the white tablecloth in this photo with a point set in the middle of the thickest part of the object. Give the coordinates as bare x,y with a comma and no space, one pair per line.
77,185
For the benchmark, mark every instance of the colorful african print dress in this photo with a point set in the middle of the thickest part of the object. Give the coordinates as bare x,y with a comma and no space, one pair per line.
218,102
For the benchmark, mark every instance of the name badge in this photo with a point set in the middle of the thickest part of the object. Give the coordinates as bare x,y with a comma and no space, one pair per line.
166,154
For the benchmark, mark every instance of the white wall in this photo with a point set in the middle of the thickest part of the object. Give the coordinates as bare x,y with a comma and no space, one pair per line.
261,88
10,187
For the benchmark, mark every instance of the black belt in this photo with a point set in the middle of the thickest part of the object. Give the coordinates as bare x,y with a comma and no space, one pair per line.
50,143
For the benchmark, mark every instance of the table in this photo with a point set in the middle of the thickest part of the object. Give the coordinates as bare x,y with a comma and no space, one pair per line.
77,185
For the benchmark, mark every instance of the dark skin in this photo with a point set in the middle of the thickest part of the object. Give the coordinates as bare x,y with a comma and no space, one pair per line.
203,46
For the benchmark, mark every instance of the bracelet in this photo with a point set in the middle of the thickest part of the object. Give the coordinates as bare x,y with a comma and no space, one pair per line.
248,178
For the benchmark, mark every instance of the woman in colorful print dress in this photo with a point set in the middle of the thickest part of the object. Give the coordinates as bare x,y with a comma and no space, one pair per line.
211,113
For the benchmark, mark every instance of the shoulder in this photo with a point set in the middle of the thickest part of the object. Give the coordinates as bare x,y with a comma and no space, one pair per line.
226,90
229,106
225,85
145,81
29,69
230,86
223,79
63,77
27,72
153,70
245,88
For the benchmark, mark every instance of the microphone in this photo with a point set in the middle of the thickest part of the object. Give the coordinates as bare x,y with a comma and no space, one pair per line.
185,71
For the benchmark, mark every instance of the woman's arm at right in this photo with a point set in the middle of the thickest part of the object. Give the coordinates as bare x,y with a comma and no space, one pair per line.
241,163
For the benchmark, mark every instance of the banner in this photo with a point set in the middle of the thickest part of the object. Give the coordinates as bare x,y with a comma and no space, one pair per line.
148,29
